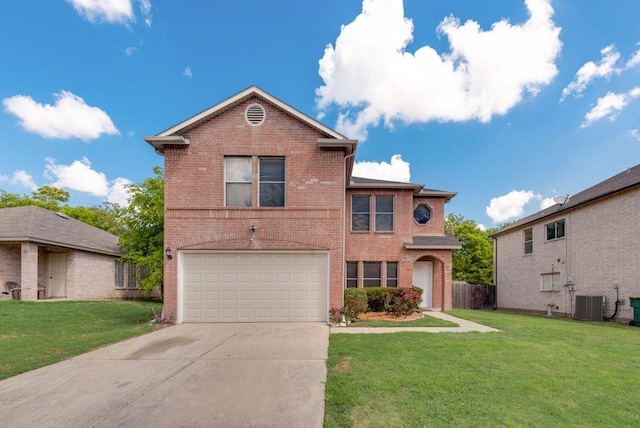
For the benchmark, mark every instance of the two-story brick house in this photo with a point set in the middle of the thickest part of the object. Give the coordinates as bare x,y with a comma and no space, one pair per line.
586,246
264,221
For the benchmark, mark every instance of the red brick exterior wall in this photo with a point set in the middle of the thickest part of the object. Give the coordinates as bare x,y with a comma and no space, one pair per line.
195,212
385,246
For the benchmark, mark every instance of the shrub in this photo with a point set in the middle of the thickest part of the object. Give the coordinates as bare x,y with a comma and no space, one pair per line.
376,297
335,315
404,301
355,302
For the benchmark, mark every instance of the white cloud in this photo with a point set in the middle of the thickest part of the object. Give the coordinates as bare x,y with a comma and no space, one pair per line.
371,77
590,71
81,177
129,51
635,59
3,178
69,117
112,11
510,205
145,9
119,193
78,176
546,203
397,170
187,72
24,179
482,227
635,133
610,106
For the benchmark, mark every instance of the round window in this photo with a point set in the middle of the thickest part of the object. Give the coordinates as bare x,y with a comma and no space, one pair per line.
422,214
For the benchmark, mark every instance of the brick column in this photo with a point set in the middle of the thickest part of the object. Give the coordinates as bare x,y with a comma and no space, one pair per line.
29,271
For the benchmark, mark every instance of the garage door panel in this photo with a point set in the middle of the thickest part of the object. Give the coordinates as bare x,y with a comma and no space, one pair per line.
254,287
229,296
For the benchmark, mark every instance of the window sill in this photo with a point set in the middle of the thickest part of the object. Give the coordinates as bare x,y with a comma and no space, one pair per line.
385,232
549,291
126,288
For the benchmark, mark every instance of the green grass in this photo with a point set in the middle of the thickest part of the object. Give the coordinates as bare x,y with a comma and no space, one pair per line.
537,372
425,321
34,334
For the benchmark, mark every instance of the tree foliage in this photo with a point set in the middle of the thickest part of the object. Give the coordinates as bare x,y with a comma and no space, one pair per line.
105,217
142,224
474,261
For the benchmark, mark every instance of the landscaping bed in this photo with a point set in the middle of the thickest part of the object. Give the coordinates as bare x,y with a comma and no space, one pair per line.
384,319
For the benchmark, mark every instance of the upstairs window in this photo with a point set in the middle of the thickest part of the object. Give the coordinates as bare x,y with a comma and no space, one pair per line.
384,213
555,230
422,214
271,182
237,172
528,241
360,214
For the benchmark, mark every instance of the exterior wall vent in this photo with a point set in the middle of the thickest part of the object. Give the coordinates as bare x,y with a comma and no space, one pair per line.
254,114
589,308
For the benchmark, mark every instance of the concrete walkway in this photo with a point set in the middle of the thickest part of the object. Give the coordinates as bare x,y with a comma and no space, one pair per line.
189,375
464,326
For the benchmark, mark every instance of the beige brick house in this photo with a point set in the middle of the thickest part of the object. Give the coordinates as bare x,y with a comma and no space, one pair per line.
264,221
587,246
44,255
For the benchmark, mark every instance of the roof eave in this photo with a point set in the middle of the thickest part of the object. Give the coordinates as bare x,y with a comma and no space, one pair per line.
19,239
159,143
411,186
412,246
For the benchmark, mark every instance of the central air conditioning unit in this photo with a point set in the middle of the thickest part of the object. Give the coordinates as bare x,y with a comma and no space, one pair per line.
589,308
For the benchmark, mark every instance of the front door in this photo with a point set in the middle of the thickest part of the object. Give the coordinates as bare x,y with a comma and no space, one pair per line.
423,278
57,283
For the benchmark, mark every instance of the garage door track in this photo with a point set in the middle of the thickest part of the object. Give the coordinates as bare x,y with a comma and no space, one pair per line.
189,375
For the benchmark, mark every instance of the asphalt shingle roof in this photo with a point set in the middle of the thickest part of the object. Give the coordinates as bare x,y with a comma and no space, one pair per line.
625,180
433,242
44,226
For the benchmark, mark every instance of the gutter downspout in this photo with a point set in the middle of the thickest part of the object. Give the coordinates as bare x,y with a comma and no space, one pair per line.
344,217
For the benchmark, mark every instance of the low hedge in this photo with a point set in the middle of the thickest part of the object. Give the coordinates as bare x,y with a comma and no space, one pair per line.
398,301
355,302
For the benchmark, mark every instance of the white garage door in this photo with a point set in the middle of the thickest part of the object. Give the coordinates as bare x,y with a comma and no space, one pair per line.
254,287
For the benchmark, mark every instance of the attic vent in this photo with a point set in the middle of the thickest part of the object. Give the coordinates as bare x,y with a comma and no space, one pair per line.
63,215
254,114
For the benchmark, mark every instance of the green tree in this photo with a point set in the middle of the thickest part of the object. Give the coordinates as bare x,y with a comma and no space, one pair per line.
474,261
105,217
142,223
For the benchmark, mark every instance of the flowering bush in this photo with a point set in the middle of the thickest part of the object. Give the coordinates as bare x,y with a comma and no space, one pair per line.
335,315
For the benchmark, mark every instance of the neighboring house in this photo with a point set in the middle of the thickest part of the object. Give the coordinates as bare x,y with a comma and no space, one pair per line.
61,256
587,246
264,222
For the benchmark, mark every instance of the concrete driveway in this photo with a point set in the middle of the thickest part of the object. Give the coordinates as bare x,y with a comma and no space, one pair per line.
189,375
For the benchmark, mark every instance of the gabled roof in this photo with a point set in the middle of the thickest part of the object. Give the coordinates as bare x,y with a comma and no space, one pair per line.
173,135
427,242
618,183
35,224
418,189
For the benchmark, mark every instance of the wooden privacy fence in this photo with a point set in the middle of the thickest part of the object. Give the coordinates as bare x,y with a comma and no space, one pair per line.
471,296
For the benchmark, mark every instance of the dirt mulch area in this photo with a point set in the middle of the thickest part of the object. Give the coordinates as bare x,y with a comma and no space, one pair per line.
383,316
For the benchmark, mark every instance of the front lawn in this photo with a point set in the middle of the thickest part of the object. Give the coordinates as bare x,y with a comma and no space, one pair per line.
537,371
425,321
36,334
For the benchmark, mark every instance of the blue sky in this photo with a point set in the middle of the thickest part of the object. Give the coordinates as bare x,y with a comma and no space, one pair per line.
506,103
